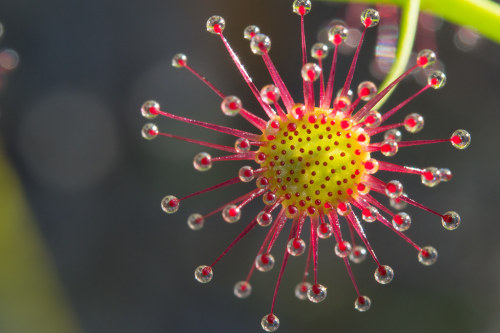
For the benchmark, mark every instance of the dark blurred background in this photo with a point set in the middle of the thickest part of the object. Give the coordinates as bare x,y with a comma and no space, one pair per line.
70,125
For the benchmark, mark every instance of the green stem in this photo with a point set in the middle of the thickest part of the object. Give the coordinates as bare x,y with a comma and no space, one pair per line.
409,23
481,15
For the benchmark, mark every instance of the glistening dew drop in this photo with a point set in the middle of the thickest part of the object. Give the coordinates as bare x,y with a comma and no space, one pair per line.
314,159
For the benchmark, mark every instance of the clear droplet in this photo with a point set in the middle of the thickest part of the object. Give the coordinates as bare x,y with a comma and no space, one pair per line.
398,203
270,323
362,303
246,174
264,262
426,58
301,290
269,198
460,139
337,34
367,90
384,274
149,131
373,119
216,24
231,106
394,189
251,31
436,79
179,60
316,293
296,246
150,109
427,256
270,94
242,289
242,145
358,254
203,274
344,209
231,213
264,219
445,175
272,127
393,134
414,122
260,44
431,177
262,182
343,249
170,204
298,111
310,72
202,161
450,220
301,7
195,221
342,104
401,221
389,148
369,214
319,51
371,166
370,17
325,230
363,188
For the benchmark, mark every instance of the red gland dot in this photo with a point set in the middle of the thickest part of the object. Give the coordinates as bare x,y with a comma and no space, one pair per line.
364,92
425,253
337,39
361,138
370,119
206,271
385,148
316,289
398,219
292,209
155,110
302,10
422,61
382,271
311,210
296,243
291,127
264,259
434,81
411,122
391,188
368,22
456,139
428,175
344,124
217,28
312,119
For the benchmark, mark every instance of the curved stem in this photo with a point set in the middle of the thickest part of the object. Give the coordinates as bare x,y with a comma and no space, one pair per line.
481,15
409,23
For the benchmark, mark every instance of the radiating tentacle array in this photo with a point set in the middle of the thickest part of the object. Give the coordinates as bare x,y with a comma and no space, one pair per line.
315,163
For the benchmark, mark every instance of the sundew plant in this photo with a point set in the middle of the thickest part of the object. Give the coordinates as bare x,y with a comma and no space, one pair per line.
315,160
